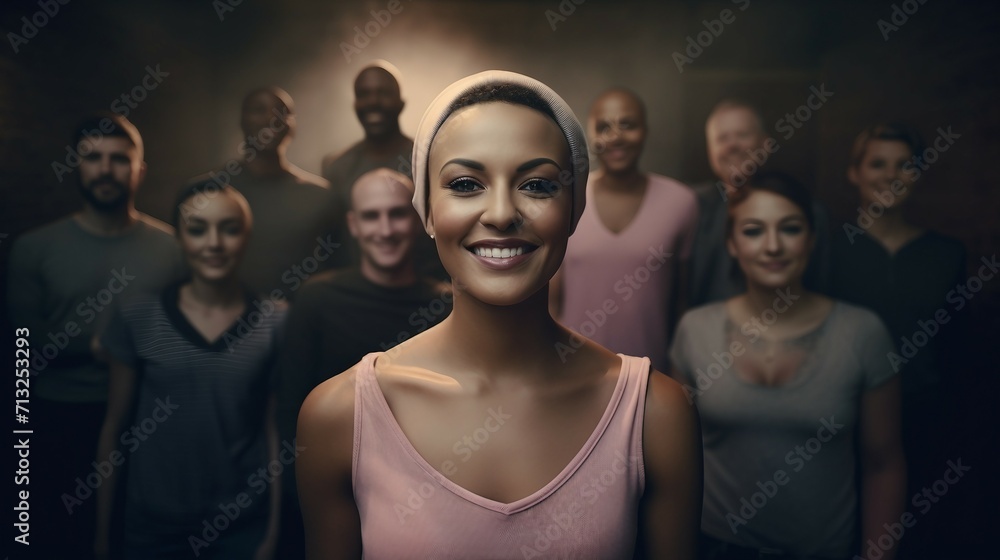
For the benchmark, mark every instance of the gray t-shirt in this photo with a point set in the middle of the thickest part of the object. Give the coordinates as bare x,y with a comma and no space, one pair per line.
296,231
63,283
780,461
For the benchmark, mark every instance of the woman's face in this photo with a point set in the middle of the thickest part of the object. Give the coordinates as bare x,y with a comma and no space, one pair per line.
770,240
498,211
213,236
882,167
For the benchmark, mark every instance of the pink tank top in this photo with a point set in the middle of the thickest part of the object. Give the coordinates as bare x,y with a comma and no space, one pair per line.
410,510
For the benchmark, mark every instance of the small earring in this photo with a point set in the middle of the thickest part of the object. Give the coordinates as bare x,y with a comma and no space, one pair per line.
432,236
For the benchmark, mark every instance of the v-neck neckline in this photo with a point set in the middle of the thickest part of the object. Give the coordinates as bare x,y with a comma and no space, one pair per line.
531,499
171,304
635,218
904,247
806,368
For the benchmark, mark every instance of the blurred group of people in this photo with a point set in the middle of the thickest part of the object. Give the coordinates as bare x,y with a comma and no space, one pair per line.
205,336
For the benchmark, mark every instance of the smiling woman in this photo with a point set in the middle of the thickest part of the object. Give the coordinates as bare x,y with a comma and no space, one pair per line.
500,169
784,367
206,344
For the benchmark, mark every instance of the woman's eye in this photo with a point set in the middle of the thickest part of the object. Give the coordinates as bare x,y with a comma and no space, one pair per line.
752,232
464,185
234,230
195,231
541,187
792,230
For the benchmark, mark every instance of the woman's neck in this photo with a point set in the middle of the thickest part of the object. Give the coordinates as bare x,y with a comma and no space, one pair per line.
891,225
223,293
786,303
503,341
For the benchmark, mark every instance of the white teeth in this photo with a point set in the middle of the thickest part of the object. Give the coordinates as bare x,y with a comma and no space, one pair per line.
495,253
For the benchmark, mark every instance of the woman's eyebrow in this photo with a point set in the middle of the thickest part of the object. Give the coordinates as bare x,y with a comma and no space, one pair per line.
535,163
466,163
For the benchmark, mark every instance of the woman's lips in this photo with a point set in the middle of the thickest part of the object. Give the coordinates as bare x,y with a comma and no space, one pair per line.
215,262
502,258
774,266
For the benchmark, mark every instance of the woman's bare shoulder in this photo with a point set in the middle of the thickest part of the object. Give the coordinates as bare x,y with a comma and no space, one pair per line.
331,403
668,405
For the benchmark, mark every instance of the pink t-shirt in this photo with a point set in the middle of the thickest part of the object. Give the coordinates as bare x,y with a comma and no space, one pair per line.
411,510
617,286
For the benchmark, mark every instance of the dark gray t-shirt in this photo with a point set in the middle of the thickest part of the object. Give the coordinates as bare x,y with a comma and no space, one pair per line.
296,232
64,282
780,460
200,408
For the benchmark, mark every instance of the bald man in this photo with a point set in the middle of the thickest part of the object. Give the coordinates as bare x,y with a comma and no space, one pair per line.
296,218
738,146
377,104
621,280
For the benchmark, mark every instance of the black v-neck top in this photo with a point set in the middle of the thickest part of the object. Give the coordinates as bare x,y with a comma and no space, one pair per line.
171,306
199,408
904,289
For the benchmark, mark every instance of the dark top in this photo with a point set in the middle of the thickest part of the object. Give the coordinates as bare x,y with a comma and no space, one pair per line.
64,283
905,290
296,232
197,437
337,321
715,276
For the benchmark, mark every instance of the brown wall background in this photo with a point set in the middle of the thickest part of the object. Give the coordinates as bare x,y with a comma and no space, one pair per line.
937,70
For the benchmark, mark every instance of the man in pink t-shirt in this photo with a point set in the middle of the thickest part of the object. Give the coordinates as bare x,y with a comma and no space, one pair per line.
621,282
